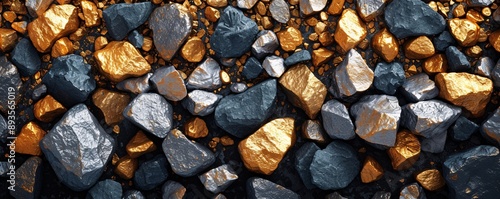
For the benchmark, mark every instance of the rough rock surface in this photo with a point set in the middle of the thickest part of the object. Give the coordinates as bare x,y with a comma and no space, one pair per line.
28,179
491,128
303,159
201,103
26,58
262,188
280,11
150,112
389,77
352,76
463,129
459,63
218,179
106,189
252,68
419,88
265,44
151,173
169,83
429,118
136,85
205,76
297,57
122,18
9,78
336,120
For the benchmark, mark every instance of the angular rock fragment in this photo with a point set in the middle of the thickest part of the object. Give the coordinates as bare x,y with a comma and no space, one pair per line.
388,77
201,103
491,128
79,159
465,31
37,7
238,87
62,47
352,76
195,128
303,159
495,75
136,85
8,38
429,118
27,141
336,120
111,104
265,44
39,91
186,158
26,58
463,129
350,30
419,48
169,83
151,173
371,171
434,144
312,130
218,179
121,18
479,3
297,57
484,66
91,14
280,11
28,179
205,76
458,61
136,39
412,191
442,41
290,38
246,4
150,112
4,168
419,88
133,194
125,167
308,7
47,109
262,188
252,68
173,190
382,195
386,45
106,189
10,82
430,179
405,152
369,9
321,56
194,50
139,145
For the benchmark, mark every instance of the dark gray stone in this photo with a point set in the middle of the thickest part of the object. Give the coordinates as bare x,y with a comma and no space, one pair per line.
297,57
106,189
406,18
25,57
335,166
201,103
136,85
336,120
4,133
484,66
238,87
218,179
234,33
136,39
335,195
434,144
419,88
227,62
243,113
495,74
458,61
463,129
303,159
479,3
382,195
151,173
122,18
429,118
133,194
39,91
78,148
265,44
186,158
412,191
205,76
496,16
389,77
280,11
28,179
150,112
491,127
473,173
258,188
10,82
220,196
173,190
69,80
4,168
442,41
252,68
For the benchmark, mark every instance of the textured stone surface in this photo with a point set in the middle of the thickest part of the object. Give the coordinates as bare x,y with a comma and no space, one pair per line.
133,194
336,120
186,158
280,11
371,171
151,173
351,76
246,4
377,119
308,7
121,18
201,103
412,191
484,66
434,144
369,9
3,130
459,63
388,77
429,118
471,173
479,3
139,145
442,41
39,91
91,15
243,113
26,58
313,130
37,7
238,87
274,66
430,179
205,76
9,78
350,30
405,152
491,128
136,85
136,39
8,39
150,112
27,141
303,159
79,159
290,38
106,189
495,75
297,57
218,179
69,74
234,33
193,50
386,45
265,44
173,190
335,166
382,195
407,18
4,168
28,179
465,31
111,104
169,83
463,129
419,88
262,188
419,48
252,68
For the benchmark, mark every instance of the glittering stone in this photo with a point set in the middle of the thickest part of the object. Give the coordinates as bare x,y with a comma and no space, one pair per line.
336,7
217,3
280,11
265,44
290,38
490,129
321,56
205,76
47,109
91,15
405,152
419,88
435,64
196,128
350,30
463,129
479,3
252,68
371,171
151,112
431,179
169,83
388,77
412,191
312,130
336,120
62,47
382,195
308,7
201,103
458,61
4,133
212,14
494,39
28,139
28,179
297,57
385,45
246,4
39,91
37,7
419,48
151,173
10,82
262,188
136,39
238,87
111,104
26,58
429,118
194,50
483,66
369,9
218,179
303,159
465,32
442,41
352,76
125,167
136,85
133,194
106,189
173,190
139,145
8,38
122,18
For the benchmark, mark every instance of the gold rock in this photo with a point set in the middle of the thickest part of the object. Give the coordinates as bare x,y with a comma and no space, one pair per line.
27,141
459,11
262,151
47,109
325,38
474,51
111,104
419,48
336,7
8,38
212,14
466,32
226,141
494,39
100,43
474,16
303,89
120,60
225,77
371,171
139,145
405,152
20,26
435,64
467,90
61,2
196,128
385,45
9,16
217,3
58,21
350,30
62,47
321,56
125,167
289,38
431,179
193,50
36,8
90,13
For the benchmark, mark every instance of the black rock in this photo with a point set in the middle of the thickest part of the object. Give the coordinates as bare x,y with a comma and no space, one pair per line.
136,39
303,158
457,60
234,34
407,18
173,190
252,68
4,168
297,57
133,194
4,133
442,41
262,188
243,113
463,129
10,82
389,77
122,18
150,112
78,148
69,80
382,195
151,173
412,191
186,158
495,74
335,166
491,128
25,57
28,179
106,189
429,118
473,173
39,91
336,120
434,144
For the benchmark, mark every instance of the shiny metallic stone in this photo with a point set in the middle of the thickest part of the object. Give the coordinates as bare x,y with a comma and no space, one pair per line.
9,78
412,191
218,179
262,188
39,91
495,74
434,144
312,130
173,190
429,118
151,173
171,25
389,77
136,39
479,3
205,76
280,11
351,76
37,7
133,194
187,158
491,128
169,83
463,129
336,120
136,85
484,66
150,112
252,68
246,4
28,179
419,88
297,57
106,189
377,119
238,87
122,18
303,159
274,66
26,58
80,158
473,173
308,7
265,44
201,103
3,130
459,62
382,195
369,9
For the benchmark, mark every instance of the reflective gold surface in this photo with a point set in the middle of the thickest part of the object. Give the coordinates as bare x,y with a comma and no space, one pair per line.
217,3
494,39
303,89
290,38
47,109
195,128
419,48
29,137
20,26
467,90
224,77
58,21
262,151
321,56
139,145
100,43
125,167
385,45
193,50
474,16
90,13
431,179
336,7
111,104
406,150
8,38
62,47
212,14
371,171
465,32
435,64
350,30
459,11
120,60
226,141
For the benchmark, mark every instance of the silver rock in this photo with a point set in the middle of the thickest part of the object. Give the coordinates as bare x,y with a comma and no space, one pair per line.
313,130
201,103
419,88
238,87
274,66
265,44
205,76
352,76
169,83
246,4
369,9
484,66
173,190
308,7
336,120
136,85
491,128
151,112
280,11
218,179
429,118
